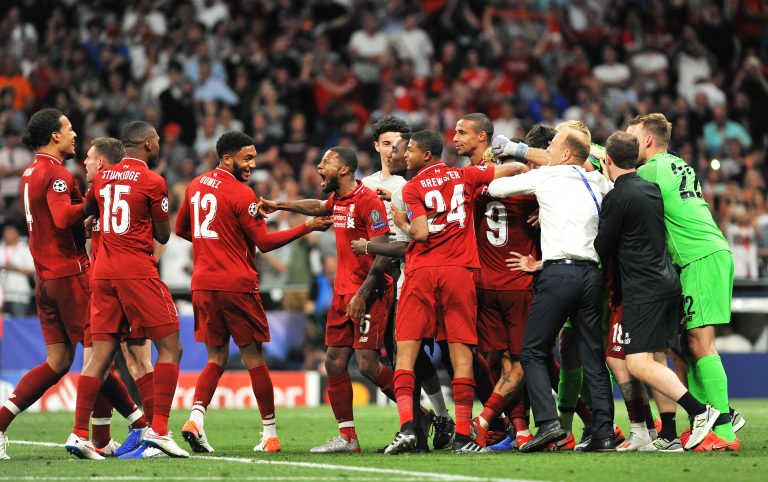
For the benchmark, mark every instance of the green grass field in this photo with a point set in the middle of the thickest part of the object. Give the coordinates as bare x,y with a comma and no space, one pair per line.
233,434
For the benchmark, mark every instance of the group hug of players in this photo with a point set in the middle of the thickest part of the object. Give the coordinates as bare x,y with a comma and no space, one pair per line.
464,262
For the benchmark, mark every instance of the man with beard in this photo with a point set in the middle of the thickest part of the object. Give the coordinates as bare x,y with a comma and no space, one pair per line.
219,217
355,323
133,204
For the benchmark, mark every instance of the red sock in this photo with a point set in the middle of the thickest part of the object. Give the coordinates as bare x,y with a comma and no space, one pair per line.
340,396
404,381
100,421
385,381
206,384
30,388
115,391
166,377
482,374
262,389
87,391
493,407
463,396
146,387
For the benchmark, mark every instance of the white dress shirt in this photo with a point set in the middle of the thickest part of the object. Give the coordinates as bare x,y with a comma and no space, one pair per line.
400,235
391,184
567,211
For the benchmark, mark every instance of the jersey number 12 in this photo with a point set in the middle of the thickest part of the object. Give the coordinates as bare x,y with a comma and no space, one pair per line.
206,203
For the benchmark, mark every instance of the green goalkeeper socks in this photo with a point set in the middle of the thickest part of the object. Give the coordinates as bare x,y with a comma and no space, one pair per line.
694,381
712,377
568,394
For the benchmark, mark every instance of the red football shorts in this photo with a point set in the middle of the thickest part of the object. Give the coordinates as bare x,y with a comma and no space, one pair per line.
62,305
121,308
368,333
615,348
447,290
501,318
221,314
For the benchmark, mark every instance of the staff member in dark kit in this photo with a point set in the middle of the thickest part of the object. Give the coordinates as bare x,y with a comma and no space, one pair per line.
570,284
632,229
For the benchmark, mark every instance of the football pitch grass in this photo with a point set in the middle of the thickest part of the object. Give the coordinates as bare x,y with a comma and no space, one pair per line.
36,448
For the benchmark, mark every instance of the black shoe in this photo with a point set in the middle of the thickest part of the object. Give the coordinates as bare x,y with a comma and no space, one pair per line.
607,444
463,444
405,441
443,436
548,432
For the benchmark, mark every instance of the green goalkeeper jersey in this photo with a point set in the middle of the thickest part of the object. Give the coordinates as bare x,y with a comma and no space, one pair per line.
691,231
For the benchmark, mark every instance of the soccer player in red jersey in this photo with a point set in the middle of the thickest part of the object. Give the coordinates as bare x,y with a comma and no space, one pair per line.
53,208
132,202
439,266
357,213
503,296
105,151
219,217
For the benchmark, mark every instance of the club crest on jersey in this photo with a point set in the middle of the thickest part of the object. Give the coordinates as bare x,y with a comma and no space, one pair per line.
253,210
164,205
351,217
376,221
59,185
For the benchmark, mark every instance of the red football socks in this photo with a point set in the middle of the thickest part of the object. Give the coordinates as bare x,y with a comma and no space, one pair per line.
31,387
262,389
493,407
340,396
166,376
206,384
385,381
463,396
115,391
87,391
100,421
146,387
404,381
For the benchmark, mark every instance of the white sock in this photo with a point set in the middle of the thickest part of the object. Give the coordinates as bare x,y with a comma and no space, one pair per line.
640,430
438,403
198,415
270,428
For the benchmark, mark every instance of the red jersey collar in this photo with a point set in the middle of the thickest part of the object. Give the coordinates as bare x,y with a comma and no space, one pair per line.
430,166
226,172
41,156
133,159
353,193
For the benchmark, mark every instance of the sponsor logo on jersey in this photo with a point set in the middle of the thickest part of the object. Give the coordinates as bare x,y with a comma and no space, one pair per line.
376,221
164,205
59,185
253,210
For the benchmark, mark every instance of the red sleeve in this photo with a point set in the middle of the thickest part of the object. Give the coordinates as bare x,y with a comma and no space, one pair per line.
158,199
477,176
183,221
374,215
256,229
65,214
330,202
413,202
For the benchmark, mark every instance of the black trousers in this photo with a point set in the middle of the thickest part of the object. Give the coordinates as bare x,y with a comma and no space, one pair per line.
567,291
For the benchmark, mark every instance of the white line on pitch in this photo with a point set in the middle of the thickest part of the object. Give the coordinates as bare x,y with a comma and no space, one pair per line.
410,475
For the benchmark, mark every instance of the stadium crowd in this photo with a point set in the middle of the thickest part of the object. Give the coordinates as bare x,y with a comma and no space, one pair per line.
330,74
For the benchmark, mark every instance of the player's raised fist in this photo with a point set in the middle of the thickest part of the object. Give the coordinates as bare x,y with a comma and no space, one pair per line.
502,146
498,144
320,223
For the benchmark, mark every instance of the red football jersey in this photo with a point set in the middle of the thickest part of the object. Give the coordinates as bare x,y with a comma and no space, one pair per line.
95,237
360,215
501,226
131,197
444,194
46,185
219,214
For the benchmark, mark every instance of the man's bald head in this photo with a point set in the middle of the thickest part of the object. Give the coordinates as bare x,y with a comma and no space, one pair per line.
570,146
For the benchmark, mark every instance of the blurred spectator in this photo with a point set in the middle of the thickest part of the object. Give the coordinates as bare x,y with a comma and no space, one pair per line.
14,158
17,268
742,238
722,129
412,43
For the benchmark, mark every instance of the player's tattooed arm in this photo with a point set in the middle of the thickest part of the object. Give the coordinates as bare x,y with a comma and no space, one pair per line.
308,207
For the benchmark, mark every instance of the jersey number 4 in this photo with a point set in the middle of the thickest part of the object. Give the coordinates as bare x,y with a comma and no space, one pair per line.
116,215
205,203
434,200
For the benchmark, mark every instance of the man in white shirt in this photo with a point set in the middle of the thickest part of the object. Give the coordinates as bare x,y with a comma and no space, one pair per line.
14,158
17,266
570,284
